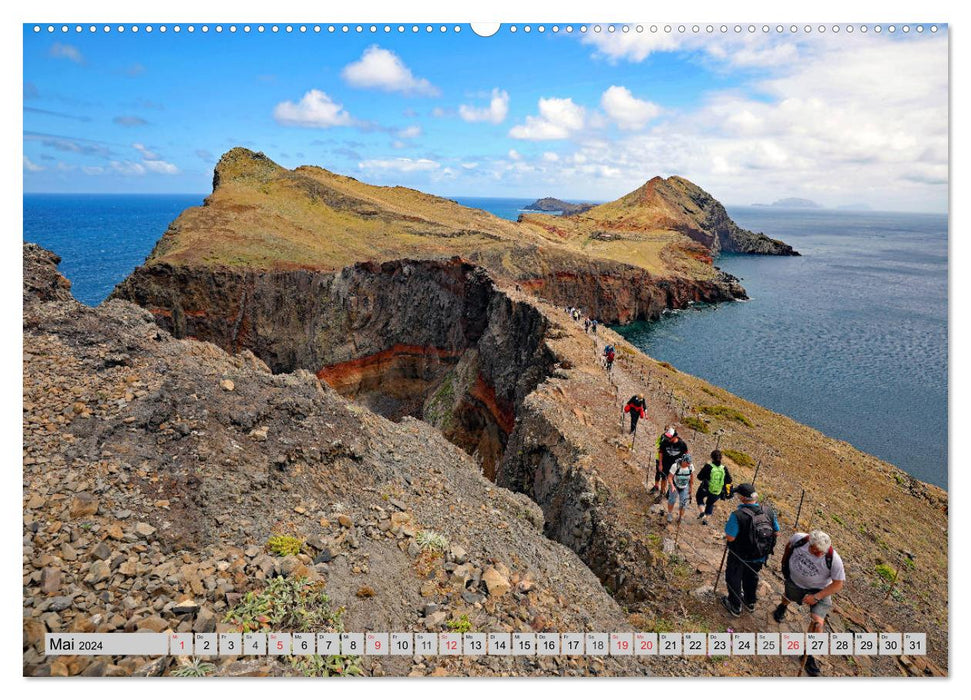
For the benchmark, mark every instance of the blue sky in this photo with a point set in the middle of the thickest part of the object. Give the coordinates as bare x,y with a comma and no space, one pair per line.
842,119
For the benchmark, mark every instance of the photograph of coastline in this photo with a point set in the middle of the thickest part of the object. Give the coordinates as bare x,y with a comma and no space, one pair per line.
373,332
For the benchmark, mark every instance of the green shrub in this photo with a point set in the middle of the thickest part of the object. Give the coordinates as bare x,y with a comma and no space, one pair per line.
326,666
696,424
282,545
194,669
461,624
837,519
740,458
725,412
429,540
286,605
886,572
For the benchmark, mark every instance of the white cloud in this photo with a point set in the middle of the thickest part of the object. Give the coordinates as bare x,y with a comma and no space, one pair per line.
161,167
71,53
400,165
495,113
854,120
731,50
410,132
30,166
92,170
150,155
550,157
382,69
514,154
470,166
559,118
627,111
315,110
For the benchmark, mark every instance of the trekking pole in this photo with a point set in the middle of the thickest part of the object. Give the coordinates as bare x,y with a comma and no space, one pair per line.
718,573
799,511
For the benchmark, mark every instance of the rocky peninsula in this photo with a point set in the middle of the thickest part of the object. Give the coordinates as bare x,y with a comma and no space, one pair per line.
389,380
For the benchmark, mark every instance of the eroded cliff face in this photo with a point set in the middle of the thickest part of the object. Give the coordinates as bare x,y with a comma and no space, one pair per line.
433,339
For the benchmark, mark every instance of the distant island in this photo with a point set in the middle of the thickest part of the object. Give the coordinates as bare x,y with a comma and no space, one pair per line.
551,204
792,203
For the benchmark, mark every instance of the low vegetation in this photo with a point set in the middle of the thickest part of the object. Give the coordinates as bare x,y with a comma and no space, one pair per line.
696,423
284,545
286,605
742,459
725,412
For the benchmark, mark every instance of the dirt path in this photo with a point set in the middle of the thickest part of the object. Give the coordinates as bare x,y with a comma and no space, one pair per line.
697,548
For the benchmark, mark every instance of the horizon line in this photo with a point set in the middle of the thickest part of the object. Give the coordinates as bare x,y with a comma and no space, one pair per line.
769,207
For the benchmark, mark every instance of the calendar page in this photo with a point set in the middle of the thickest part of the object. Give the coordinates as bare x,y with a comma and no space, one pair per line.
424,349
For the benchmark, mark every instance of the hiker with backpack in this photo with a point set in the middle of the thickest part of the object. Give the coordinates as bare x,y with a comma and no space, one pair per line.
751,535
715,483
813,572
636,406
680,482
609,354
670,448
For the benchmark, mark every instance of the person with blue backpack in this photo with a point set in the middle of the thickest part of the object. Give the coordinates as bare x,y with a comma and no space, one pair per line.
751,532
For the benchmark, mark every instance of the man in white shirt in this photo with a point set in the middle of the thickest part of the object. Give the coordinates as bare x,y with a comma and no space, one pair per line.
813,572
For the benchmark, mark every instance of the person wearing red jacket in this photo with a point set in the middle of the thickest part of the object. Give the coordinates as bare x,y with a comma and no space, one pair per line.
637,408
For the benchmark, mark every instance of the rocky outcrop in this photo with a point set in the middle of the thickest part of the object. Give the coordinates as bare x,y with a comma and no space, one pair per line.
42,281
552,204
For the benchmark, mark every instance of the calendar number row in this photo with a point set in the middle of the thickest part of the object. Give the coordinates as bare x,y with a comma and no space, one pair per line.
491,644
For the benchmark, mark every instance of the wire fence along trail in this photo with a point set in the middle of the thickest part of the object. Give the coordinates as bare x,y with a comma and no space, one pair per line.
755,462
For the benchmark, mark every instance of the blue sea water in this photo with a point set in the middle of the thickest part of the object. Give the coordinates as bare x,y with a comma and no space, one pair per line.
850,338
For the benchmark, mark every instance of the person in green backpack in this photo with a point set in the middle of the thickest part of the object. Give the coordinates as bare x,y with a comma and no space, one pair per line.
715,482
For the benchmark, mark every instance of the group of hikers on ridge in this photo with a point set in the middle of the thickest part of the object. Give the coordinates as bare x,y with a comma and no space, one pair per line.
811,568
588,323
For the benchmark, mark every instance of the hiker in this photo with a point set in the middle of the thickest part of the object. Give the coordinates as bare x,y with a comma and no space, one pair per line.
637,408
680,482
715,482
751,535
609,354
593,325
586,325
813,572
670,447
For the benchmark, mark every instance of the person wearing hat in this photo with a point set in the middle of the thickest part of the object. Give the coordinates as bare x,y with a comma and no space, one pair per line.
670,448
751,533
637,408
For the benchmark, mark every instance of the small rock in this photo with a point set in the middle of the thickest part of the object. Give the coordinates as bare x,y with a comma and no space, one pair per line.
50,580
228,384
259,434
496,583
153,623
144,529
435,620
205,621
100,570
84,504
324,557
365,592
61,602
345,520
100,551
186,607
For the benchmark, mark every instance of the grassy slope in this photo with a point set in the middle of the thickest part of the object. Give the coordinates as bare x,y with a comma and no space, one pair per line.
262,215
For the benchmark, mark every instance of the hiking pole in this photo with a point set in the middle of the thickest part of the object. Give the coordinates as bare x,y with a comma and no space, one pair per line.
799,511
718,573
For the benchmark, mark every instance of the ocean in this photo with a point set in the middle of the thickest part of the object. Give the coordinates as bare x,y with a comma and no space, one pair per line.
850,338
